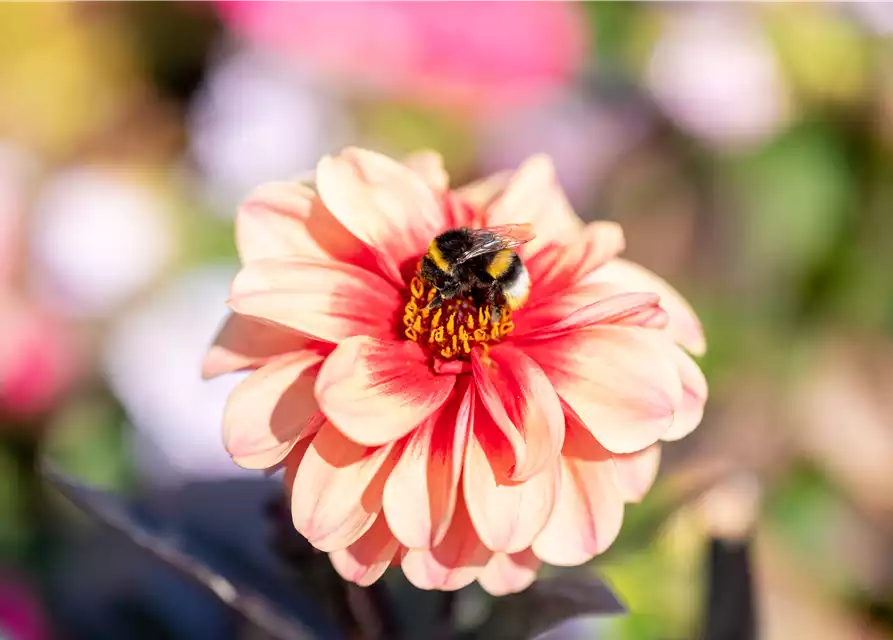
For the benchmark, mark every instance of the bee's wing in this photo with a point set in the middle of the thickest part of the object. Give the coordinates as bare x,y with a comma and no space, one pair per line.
492,239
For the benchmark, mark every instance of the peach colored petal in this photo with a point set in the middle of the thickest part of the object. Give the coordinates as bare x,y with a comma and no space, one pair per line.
366,560
461,213
267,411
288,219
246,343
523,405
565,314
377,391
588,511
327,300
620,381
559,266
383,203
509,572
420,494
454,563
507,515
428,165
636,472
480,194
684,326
533,196
694,396
337,490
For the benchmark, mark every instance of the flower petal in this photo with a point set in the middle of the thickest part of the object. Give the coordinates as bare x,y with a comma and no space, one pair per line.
480,194
636,472
684,326
288,219
246,343
533,196
267,411
567,313
620,381
507,515
454,563
377,391
328,300
509,572
588,511
420,494
383,203
523,405
428,165
694,396
560,266
366,560
337,490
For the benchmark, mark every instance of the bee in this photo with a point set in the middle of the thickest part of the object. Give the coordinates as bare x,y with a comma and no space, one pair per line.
480,263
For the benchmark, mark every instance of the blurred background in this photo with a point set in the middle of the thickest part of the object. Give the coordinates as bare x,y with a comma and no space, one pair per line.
746,149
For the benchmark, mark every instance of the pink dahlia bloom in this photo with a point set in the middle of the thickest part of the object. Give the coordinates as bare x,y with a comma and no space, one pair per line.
456,446
478,55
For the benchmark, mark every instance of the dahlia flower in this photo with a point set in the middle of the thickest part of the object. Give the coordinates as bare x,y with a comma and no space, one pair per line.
458,446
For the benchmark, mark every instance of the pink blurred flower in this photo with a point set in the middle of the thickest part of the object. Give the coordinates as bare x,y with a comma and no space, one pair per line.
458,447
478,55
36,354
21,616
37,361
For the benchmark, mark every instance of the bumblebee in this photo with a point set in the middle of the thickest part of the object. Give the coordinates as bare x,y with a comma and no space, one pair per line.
480,263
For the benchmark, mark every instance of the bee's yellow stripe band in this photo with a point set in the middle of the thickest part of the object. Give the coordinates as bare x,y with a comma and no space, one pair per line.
500,263
437,257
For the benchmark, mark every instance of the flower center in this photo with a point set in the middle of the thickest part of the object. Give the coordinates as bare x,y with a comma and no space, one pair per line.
459,324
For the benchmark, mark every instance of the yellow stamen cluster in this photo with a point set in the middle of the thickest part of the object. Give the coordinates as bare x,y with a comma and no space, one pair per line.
458,325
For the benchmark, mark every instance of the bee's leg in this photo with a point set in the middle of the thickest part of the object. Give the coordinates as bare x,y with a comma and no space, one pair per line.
436,302
492,295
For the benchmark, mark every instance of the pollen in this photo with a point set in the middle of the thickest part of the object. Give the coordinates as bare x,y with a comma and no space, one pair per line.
451,331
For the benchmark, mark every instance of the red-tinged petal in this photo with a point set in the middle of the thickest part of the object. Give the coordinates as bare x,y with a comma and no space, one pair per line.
267,411
330,301
288,219
461,213
684,326
383,203
507,515
533,196
523,405
620,381
694,396
509,572
636,472
420,494
377,391
246,343
560,266
337,490
454,563
480,194
366,560
588,511
565,314
428,165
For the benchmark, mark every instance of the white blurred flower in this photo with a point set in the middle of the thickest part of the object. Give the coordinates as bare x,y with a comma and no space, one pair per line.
714,73
153,360
256,120
874,15
99,237
584,137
